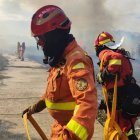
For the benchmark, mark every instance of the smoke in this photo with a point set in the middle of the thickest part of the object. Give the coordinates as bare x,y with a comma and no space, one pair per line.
89,17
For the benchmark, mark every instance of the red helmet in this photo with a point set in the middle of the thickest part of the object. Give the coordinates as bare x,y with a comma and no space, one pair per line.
103,38
49,18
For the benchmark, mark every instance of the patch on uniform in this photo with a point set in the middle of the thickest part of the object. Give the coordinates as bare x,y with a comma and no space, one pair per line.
81,84
79,65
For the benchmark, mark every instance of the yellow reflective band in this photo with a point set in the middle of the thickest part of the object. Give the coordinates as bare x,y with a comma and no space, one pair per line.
115,62
79,66
76,109
129,133
60,106
104,41
102,34
79,130
26,125
74,53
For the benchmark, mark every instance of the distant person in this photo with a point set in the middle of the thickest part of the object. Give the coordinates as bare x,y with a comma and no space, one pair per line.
71,95
115,61
22,50
18,50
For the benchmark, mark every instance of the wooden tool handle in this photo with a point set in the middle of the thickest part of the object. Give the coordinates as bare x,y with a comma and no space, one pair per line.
37,127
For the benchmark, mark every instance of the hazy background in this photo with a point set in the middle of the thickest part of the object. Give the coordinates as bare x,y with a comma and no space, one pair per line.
89,18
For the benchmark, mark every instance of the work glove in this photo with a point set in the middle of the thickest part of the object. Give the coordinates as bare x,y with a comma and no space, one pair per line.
105,76
99,78
37,107
29,111
108,76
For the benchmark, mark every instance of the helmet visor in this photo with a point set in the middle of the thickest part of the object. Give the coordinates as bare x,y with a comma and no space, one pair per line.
113,45
40,41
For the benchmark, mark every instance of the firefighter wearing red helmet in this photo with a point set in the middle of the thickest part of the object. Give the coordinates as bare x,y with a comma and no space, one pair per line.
115,61
71,96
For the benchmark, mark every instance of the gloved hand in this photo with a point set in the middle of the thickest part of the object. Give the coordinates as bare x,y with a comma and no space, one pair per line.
99,78
105,76
37,107
29,111
108,76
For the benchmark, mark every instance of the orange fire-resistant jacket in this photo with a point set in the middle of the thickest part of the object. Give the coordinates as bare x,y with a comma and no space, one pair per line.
116,63
71,96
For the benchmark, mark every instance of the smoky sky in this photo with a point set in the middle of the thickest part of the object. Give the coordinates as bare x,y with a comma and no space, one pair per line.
88,17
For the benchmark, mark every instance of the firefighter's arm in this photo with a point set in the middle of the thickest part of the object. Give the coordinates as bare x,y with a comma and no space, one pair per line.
37,107
113,64
82,86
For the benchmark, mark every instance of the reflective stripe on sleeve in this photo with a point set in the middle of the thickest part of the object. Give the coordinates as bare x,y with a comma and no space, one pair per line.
115,62
60,106
79,130
80,65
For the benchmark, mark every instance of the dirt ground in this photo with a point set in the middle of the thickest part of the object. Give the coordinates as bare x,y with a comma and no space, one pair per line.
21,85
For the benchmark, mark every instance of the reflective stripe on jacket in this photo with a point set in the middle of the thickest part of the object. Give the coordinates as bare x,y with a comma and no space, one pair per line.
71,95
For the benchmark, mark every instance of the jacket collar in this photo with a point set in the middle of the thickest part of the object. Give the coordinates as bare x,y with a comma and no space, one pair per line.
70,47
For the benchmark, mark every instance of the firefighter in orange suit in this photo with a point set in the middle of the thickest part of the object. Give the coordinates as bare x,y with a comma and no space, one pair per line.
115,61
71,96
